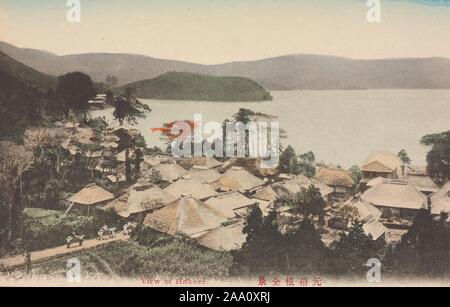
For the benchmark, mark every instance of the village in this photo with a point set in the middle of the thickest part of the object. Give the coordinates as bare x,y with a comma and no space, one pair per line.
207,201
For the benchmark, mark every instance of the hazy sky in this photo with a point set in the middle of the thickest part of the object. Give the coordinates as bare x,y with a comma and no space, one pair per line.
216,31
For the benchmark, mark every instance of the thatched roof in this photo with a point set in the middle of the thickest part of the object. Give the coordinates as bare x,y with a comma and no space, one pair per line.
207,162
226,238
157,160
140,199
119,205
252,165
117,178
422,183
267,193
187,185
365,211
187,216
395,194
230,204
238,179
334,177
374,229
300,182
152,161
170,172
91,195
440,201
117,127
382,162
204,175
375,181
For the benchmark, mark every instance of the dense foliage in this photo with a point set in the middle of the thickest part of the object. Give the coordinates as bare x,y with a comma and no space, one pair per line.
438,158
189,86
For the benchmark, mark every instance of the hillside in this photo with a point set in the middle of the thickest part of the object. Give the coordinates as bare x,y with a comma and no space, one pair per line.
292,72
190,86
26,74
20,106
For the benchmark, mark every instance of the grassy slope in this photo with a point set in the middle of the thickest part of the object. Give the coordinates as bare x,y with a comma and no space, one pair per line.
26,74
128,259
190,86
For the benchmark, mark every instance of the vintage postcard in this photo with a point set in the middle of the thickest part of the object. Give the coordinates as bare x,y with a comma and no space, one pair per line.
200,144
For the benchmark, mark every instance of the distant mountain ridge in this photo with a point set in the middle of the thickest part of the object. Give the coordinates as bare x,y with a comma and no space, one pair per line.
291,72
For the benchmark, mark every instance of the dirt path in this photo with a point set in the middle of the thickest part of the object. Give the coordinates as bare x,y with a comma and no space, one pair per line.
48,254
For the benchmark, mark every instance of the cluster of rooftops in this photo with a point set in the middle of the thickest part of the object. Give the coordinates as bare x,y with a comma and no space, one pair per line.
208,200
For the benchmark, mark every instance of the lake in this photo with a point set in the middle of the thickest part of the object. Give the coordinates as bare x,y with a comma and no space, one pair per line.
340,127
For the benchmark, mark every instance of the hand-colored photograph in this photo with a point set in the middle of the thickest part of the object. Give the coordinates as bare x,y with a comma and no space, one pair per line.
203,144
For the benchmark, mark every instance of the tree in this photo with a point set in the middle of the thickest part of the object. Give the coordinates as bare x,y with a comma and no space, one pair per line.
403,155
353,250
303,249
110,98
127,108
308,202
14,161
261,250
425,248
244,116
438,158
355,173
306,164
114,81
138,158
111,81
74,90
288,161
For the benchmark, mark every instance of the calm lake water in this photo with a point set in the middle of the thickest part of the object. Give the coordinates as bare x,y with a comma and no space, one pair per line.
340,127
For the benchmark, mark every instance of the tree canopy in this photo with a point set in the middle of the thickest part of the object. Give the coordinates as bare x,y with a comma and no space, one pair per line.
438,158
74,91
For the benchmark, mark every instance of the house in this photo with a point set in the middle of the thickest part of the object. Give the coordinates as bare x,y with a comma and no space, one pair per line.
238,179
90,196
231,205
185,216
381,164
339,180
204,174
117,178
395,198
270,193
356,209
252,165
123,131
224,238
155,160
170,172
99,102
282,177
369,215
209,163
188,185
139,201
440,201
301,182
376,230
422,182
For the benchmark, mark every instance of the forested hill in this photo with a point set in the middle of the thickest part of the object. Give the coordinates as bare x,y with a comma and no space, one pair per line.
190,86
